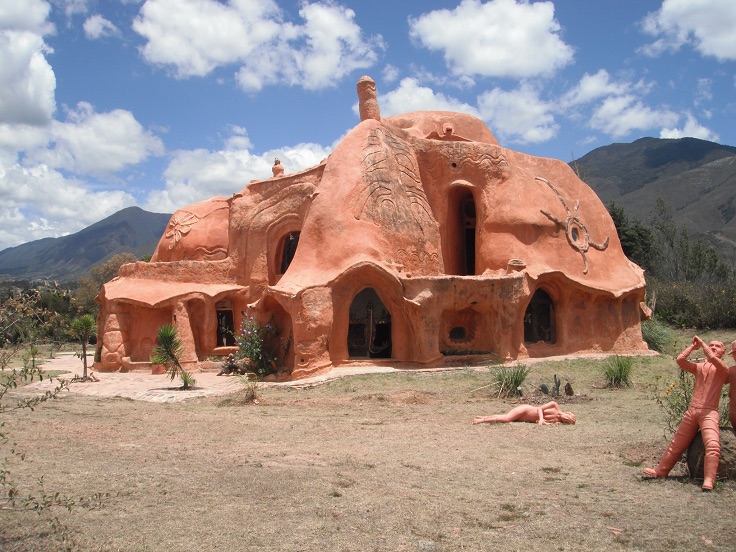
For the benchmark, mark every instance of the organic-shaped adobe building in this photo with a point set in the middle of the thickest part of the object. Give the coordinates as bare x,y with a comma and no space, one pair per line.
418,239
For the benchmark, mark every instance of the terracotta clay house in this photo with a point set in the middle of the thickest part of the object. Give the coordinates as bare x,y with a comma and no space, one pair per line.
418,239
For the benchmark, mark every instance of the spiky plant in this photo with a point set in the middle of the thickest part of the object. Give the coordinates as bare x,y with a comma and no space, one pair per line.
168,351
617,371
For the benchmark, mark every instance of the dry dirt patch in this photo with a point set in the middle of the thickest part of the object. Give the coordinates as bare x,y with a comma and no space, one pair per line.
385,462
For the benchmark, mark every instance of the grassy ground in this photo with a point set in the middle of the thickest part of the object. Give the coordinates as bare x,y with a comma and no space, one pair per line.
383,462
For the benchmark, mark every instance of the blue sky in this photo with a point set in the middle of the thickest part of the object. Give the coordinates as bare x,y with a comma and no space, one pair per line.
106,104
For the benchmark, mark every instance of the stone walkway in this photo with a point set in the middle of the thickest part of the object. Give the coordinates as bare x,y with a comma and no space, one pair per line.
143,386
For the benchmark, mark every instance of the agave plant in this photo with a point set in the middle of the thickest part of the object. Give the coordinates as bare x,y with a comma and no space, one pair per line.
167,352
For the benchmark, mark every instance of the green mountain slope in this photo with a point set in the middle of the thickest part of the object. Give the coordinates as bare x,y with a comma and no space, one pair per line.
69,257
696,177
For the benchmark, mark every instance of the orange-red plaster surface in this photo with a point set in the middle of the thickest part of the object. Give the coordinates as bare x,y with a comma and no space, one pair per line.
419,238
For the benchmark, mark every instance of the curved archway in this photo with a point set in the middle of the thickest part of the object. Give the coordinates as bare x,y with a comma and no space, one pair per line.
539,319
369,332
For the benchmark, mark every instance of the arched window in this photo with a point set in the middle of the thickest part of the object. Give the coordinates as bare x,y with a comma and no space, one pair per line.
539,319
288,250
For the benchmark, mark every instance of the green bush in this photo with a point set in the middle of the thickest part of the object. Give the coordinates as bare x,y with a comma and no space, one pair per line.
617,371
509,381
705,304
262,346
657,335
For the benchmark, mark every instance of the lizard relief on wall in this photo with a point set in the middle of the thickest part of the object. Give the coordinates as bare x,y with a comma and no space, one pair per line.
577,234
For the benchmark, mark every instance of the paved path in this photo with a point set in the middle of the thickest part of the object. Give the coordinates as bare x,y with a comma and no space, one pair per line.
144,386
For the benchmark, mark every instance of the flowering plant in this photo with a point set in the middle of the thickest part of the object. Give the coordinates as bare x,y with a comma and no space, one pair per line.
262,346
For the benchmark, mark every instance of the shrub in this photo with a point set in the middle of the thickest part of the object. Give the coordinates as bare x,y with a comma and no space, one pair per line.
509,381
251,388
657,335
262,346
705,304
617,371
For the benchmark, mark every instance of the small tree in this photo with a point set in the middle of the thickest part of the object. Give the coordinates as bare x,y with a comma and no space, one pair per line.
168,351
82,328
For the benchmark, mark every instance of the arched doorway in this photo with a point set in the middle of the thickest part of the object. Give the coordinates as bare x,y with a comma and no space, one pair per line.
369,333
225,324
539,319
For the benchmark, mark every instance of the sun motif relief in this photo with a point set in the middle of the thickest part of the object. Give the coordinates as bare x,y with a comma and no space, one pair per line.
179,226
576,232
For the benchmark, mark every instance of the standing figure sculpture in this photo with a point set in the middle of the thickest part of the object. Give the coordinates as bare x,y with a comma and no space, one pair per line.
547,414
710,376
732,389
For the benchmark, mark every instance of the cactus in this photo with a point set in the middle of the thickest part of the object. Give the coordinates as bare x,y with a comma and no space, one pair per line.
556,388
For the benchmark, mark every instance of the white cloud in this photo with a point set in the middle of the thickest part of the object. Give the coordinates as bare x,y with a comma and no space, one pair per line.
40,202
592,88
692,129
703,91
410,96
519,116
29,15
617,116
614,107
195,37
707,25
72,7
96,27
499,38
390,74
96,143
196,175
28,82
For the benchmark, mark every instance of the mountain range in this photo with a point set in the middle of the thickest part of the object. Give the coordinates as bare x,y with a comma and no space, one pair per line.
696,177
67,258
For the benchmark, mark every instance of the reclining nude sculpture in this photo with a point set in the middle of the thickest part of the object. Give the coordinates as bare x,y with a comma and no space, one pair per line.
547,414
710,376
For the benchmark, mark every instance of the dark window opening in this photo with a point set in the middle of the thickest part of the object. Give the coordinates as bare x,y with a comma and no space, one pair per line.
291,241
369,330
458,333
467,216
539,319
225,328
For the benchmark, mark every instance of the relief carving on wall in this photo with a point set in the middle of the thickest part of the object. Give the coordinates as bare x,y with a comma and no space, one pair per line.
392,195
490,159
179,226
577,234
472,160
413,258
